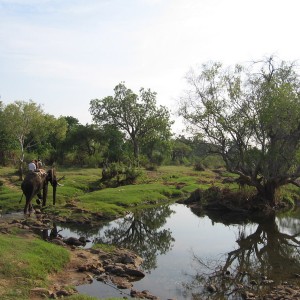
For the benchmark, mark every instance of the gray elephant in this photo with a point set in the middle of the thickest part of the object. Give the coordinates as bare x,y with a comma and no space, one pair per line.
34,183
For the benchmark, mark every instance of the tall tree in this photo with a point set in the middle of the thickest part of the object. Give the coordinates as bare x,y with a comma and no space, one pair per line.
81,142
136,115
252,116
28,125
6,143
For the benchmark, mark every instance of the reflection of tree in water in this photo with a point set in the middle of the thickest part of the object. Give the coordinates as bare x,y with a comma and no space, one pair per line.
83,229
264,255
141,231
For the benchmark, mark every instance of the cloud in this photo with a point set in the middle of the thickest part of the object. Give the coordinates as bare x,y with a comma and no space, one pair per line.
55,48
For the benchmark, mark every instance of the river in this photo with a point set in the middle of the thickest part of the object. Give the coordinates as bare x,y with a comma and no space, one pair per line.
184,252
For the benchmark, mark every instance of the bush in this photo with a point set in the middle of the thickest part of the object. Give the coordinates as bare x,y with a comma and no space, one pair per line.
131,174
199,167
120,173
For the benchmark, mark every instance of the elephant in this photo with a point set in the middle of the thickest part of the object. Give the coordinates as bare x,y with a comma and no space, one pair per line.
35,182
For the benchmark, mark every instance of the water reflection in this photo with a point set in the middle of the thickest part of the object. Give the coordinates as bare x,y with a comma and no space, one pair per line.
142,232
230,251
267,254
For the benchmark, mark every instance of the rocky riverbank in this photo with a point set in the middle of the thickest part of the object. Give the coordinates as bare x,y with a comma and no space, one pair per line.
119,267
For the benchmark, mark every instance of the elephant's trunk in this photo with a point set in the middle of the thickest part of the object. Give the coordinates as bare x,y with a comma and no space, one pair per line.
54,193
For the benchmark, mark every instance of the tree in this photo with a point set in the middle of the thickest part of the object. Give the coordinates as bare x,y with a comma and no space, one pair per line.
136,115
28,126
81,142
114,147
181,150
252,117
6,143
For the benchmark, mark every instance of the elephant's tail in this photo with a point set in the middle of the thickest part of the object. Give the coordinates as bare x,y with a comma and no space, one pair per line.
21,198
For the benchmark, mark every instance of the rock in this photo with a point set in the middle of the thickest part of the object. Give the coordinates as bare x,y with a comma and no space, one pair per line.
211,288
142,295
121,283
253,282
72,241
38,211
103,278
289,290
58,242
114,269
267,281
40,291
134,272
15,221
82,239
63,293
82,255
247,295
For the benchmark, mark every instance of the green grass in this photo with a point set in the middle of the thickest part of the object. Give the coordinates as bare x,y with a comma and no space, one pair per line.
105,247
83,186
26,263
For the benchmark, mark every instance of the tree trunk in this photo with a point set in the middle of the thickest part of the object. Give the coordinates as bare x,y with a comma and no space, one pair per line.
21,171
268,192
136,151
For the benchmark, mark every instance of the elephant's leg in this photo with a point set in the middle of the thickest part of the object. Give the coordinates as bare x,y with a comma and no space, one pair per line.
26,207
39,199
31,209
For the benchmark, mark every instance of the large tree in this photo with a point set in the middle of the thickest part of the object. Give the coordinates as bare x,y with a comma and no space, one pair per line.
136,115
252,117
28,126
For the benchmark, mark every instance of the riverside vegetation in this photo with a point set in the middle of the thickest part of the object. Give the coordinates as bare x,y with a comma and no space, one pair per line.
27,261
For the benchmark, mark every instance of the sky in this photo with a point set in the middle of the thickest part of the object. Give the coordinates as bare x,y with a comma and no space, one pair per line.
64,53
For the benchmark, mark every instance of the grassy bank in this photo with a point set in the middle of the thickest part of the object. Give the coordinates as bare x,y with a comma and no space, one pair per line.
25,263
84,187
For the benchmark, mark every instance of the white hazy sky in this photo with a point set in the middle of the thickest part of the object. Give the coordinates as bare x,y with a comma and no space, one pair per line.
63,53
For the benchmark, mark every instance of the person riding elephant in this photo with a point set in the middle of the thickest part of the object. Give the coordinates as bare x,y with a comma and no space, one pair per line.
35,182
32,166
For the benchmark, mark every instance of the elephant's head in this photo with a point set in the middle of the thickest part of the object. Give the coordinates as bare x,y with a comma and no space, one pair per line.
51,177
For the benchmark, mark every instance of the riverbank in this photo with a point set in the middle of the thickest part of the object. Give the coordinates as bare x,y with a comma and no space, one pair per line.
117,266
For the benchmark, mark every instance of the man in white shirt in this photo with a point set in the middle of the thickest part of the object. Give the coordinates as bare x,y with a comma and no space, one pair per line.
32,166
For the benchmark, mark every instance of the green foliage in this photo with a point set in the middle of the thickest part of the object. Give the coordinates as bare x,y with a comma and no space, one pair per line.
136,115
122,174
250,117
29,130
